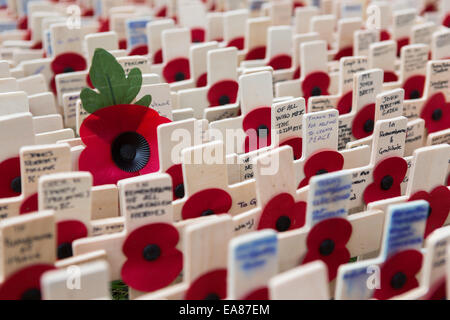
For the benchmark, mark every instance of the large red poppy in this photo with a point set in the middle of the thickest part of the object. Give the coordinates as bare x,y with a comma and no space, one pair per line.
176,70
68,231
258,294
257,53
10,182
320,162
197,35
176,173
436,113
327,241
24,284
209,286
153,262
257,128
206,202
414,86
439,201
118,149
280,62
398,274
282,213
363,122
296,144
315,84
387,177
237,43
30,204
65,63
223,92
344,104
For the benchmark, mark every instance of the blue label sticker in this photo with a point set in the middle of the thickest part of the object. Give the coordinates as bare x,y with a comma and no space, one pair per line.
136,31
8,25
255,254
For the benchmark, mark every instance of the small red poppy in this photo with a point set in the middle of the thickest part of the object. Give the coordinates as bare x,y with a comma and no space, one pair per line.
344,52
436,113
437,291
22,23
29,205
24,284
37,46
257,53
123,44
414,86
384,35
153,262
256,125
430,7
363,122
202,80
398,274
296,144
298,4
103,25
139,50
315,84
176,70
65,63
237,42
206,202
162,12
327,241
28,35
446,21
88,12
400,44
10,183
209,286
68,231
297,73
157,57
439,201
118,149
344,104
89,82
280,62
387,177
320,162
282,213
176,173
389,76
197,35
222,93
258,294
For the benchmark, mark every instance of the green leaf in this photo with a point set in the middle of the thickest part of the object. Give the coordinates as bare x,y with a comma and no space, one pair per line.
91,100
144,101
134,81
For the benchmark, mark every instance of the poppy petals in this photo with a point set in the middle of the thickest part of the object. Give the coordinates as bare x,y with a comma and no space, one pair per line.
139,50
237,43
201,80
363,122
29,205
176,70
389,76
157,57
280,62
10,183
344,52
258,294
197,35
223,92
320,162
123,44
257,127
257,53
297,73
436,113
209,286
384,35
414,87
176,173
400,44
68,62
344,104
315,84
67,232
206,202
296,144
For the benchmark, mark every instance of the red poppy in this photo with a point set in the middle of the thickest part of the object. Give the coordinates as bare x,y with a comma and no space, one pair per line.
118,149
89,82
414,86
176,173
437,291
223,92
162,12
258,294
280,62
297,73
384,35
448,180
22,23
209,286
153,262
327,241
197,35
206,202
10,183
315,84
344,52
139,50
30,204
24,284
436,113
103,25
123,44
65,63
68,231
398,274
202,80
238,43
28,35
320,162
387,177
446,21
298,4
344,104
296,145
157,57
256,125
389,76
282,213
37,46
363,122
439,201
176,70
88,12
400,44
257,53
430,7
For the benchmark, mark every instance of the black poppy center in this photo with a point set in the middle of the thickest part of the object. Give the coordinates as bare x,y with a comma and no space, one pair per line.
224,100
212,296
179,191
68,69
31,294
398,280
316,91
414,94
130,151
263,131
437,114
179,76
429,212
151,252
321,171
283,223
368,125
387,182
16,185
65,250
207,212
326,247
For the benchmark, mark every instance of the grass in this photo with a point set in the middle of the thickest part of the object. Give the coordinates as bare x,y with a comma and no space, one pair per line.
119,290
